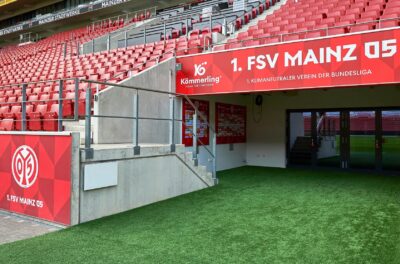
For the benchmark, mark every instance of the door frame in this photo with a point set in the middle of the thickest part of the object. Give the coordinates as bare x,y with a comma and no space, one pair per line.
344,133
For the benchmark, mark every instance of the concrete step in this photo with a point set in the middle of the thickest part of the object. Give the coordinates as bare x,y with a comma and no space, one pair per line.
255,21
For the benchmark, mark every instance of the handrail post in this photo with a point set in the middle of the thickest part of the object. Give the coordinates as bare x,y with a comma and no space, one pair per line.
92,45
78,48
88,125
65,50
165,32
195,147
172,131
23,125
144,35
214,163
211,21
60,104
108,41
126,39
136,148
76,99
224,27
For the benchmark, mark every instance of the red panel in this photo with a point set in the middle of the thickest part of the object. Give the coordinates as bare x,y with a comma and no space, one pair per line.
230,123
35,176
271,68
202,129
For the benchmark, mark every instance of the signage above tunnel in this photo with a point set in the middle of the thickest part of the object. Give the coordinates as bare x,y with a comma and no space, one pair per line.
351,60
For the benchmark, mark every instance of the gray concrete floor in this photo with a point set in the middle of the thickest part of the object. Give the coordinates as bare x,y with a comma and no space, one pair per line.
14,228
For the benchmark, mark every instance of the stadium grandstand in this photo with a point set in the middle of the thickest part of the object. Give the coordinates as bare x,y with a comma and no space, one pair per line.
283,109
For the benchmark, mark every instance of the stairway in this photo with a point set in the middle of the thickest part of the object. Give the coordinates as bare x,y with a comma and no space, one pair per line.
185,156
256,20
301,152
200,170
77,126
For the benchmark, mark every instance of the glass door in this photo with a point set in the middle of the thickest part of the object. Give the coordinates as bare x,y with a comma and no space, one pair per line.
301,141
328,131
362,140
391,140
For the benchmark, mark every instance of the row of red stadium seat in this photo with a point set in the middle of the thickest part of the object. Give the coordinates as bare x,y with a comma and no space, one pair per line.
311,18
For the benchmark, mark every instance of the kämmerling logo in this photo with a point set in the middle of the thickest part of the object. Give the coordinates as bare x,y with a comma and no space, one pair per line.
200,70
25,166
206,80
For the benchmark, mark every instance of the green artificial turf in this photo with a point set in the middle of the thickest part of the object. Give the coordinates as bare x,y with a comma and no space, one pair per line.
255,215
362,153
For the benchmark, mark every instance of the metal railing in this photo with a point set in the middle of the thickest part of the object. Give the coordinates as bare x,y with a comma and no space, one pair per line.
136,117
104,42
285,37
127,18
61,100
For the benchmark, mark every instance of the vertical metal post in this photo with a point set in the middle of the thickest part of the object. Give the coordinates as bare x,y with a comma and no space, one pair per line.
172,131
23,118
214,164
144,34
60,104
88,125
65,50
187,27
76,100
92,45
78,47
224,27
195,149
109,42
211,20
136,148
97,90
126,39
165,32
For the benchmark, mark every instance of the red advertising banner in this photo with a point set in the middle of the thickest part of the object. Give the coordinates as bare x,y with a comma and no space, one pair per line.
230,123
202,127
349,60
35,176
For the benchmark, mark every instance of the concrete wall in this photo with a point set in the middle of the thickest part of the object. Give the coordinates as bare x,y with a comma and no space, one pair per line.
75,178
153,176
117,101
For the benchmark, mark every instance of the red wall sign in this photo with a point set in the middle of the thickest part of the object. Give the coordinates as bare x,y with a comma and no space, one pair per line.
230,123
350,60
202,127
35,176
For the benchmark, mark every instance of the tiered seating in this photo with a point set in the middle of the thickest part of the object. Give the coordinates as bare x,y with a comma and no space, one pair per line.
317,18
44,61
196,21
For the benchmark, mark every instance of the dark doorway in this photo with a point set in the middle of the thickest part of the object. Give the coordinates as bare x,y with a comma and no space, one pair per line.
367,139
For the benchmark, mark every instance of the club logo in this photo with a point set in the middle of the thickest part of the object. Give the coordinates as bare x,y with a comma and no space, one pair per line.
200,70
25,166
